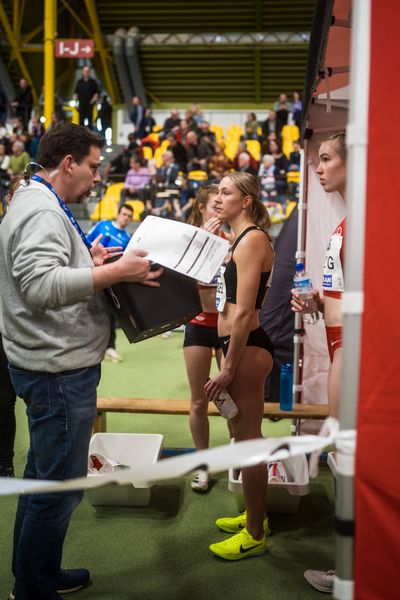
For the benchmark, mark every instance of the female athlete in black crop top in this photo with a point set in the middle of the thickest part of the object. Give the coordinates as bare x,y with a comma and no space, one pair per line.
230,274
246,347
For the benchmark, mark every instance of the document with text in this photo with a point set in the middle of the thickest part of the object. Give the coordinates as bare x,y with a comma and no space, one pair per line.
181,247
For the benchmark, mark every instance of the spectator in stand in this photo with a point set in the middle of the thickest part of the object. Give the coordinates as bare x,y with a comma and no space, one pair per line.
3,107
114,237
220,164
118,167
270,125
281,168
87,93
266,175
296,108
146,124
204,132
294,156
58,104
35,127
168,180
251,127
199,152
23,101
183,130
18,160
137,181
282,108
192,124
56,119
4,159
137,114
243,148
19,126
170,123
105,114
179,152
196,114
244,165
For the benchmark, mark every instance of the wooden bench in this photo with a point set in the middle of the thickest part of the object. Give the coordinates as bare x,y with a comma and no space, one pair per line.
181,407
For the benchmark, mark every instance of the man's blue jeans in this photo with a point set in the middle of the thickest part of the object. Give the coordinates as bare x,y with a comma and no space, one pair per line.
61,408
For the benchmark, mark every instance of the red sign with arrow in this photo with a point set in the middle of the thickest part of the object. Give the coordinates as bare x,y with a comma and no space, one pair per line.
74,48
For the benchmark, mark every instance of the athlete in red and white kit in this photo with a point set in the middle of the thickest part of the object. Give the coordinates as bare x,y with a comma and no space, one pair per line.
201,336
332,175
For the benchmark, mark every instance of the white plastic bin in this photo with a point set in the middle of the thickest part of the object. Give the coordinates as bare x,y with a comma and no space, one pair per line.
281,497
129,449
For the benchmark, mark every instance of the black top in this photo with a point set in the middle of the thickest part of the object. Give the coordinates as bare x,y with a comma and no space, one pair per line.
86,89
230,274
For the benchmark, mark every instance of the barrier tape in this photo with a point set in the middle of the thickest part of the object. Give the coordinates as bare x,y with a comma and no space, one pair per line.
243,454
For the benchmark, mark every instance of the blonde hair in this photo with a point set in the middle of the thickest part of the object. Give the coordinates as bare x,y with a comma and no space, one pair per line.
249,185
202,198
339,137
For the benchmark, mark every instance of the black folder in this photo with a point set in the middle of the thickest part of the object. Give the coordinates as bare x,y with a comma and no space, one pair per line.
144,311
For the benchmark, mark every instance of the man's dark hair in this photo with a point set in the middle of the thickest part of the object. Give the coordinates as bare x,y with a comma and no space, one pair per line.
64,139
127,206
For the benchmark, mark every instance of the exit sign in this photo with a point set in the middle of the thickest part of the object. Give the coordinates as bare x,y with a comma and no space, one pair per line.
74,48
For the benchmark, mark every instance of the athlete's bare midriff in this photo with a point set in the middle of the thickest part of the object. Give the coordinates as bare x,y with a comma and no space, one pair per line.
225,320
207,297
333,311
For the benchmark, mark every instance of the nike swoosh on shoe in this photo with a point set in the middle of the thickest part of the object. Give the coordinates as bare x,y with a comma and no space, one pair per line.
244,550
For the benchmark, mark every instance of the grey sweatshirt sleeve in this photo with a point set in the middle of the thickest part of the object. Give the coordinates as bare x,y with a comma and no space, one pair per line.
42,252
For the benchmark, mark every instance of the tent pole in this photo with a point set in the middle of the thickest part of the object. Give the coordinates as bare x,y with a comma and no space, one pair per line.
300,255
353,296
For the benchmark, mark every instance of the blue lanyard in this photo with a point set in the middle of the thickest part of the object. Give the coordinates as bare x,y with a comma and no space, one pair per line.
65,209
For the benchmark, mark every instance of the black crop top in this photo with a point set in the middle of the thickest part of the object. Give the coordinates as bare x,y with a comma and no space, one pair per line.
230,275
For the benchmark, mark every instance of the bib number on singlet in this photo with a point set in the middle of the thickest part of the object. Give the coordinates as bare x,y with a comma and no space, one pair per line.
220,297
333,271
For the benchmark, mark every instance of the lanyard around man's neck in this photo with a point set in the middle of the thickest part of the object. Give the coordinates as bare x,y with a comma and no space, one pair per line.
65,209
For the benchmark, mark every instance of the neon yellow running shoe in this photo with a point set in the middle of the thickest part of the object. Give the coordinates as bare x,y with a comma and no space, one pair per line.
238,546
235,524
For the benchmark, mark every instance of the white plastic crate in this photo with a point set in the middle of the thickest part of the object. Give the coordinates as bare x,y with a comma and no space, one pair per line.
281,497
332,463
129,449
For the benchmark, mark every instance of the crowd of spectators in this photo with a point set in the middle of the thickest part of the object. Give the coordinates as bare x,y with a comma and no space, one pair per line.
192,156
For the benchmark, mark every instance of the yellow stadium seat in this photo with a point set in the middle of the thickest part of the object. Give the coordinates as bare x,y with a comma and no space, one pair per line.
254,148
234,131
158,156
138,207
105,209
231,147
154,136
289,208
198,175
147,152
157,128
164,145
293,176
290,133
113,191
219,132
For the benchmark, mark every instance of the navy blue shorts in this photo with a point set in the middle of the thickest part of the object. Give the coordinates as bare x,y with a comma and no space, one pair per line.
198,335
257,337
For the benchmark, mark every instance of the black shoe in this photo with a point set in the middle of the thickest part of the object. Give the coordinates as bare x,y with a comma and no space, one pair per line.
71,580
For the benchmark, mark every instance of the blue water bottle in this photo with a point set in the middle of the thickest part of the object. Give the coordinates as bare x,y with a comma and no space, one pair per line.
286,387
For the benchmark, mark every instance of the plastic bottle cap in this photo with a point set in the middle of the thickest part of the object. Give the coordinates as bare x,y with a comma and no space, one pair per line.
300,267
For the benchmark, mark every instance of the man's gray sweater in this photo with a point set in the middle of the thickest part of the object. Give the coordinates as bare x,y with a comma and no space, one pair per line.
50,318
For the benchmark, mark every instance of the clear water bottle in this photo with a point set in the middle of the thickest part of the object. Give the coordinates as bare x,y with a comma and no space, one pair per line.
286,387
226,406
303,285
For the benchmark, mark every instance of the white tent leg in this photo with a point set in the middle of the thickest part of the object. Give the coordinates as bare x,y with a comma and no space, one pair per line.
352,299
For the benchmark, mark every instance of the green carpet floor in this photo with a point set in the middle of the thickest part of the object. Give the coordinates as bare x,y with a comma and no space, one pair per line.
160,552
